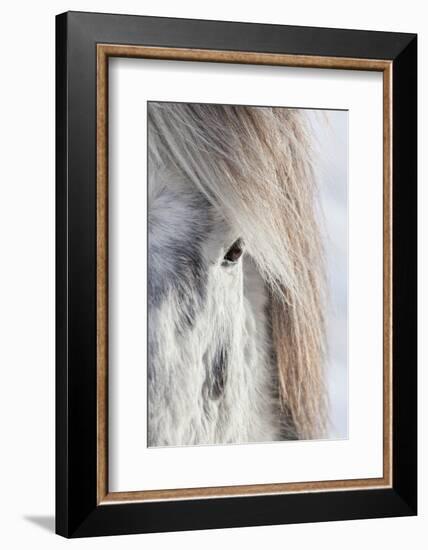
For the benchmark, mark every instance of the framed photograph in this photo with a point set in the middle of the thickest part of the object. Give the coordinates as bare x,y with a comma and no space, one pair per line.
236,274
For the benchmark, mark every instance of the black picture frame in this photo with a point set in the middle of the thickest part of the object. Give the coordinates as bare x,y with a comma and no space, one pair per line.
77,512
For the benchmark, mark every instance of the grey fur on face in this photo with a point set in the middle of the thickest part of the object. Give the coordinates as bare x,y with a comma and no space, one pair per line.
175,259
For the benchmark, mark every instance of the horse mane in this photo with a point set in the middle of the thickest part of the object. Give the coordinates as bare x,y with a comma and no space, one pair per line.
255,165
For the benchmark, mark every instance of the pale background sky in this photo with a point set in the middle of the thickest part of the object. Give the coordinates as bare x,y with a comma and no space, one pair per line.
331,128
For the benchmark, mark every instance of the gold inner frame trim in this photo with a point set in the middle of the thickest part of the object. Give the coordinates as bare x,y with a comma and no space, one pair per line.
104,51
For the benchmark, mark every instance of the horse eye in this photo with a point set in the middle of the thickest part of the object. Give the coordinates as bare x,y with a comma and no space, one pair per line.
234,252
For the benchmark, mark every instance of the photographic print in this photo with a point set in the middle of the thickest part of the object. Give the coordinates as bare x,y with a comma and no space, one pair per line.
247,274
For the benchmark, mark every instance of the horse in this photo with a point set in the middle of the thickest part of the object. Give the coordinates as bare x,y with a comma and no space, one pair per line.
236,276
